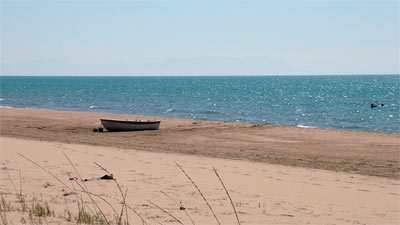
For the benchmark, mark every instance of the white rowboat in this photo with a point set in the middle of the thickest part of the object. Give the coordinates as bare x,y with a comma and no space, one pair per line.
130,125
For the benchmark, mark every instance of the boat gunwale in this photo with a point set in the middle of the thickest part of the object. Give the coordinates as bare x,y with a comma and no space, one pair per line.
136,122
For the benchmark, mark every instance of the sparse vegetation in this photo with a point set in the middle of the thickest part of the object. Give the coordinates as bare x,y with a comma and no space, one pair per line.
87,212
41,209
88,218
5,205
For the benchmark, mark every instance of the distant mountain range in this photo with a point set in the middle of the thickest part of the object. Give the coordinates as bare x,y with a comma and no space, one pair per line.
204,65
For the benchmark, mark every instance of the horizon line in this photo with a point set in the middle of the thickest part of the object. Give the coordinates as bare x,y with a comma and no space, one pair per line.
204,75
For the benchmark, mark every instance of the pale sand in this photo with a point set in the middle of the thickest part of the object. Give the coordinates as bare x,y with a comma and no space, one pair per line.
263,193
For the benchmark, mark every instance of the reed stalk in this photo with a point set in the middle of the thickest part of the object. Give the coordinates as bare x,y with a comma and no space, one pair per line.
169,214
140,216
126,209
198,189
86,189
227,193
119,188
179,205
12,182
44,169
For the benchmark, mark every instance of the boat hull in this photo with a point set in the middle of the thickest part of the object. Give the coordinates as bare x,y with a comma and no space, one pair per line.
126,125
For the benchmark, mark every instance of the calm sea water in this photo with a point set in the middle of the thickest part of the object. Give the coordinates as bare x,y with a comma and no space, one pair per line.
334,102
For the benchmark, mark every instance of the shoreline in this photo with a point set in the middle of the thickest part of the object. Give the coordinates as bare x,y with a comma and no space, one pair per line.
374,154
218,121
265,101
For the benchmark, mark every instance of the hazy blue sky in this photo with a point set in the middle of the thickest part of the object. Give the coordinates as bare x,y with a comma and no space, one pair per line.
199,37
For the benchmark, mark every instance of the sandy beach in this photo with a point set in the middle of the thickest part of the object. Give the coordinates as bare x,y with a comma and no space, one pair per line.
275,175
375,154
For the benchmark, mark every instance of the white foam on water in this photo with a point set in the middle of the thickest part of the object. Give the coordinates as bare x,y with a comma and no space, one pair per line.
303,126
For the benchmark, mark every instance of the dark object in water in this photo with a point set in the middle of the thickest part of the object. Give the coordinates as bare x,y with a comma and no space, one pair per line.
95,130
107,177
373,105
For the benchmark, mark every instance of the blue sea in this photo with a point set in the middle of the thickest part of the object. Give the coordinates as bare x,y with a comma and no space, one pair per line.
333,102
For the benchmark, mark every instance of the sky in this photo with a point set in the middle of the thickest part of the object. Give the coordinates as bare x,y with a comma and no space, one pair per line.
193,37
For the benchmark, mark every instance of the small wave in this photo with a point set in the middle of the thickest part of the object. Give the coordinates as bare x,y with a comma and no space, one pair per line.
303,126
209,112
93,107
7,107
169,110
2,99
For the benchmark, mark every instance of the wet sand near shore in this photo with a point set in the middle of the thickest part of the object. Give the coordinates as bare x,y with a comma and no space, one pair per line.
375,154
